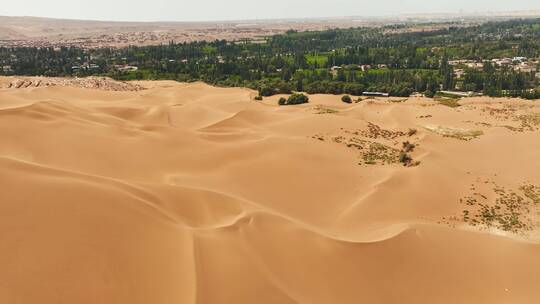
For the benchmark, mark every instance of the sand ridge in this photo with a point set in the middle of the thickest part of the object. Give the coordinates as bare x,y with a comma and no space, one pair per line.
187,193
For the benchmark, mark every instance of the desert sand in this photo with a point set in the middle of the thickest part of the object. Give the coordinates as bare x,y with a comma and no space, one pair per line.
50,32
187,193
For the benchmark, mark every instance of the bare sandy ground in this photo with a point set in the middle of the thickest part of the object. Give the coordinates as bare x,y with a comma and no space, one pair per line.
49,32
186,193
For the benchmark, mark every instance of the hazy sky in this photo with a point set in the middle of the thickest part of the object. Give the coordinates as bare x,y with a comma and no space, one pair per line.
197,10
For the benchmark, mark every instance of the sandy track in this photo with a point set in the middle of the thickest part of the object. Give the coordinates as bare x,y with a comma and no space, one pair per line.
186,193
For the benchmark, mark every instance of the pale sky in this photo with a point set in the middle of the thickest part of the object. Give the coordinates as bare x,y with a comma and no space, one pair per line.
201,10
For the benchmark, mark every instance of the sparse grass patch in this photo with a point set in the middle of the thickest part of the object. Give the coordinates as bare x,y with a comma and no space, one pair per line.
513,129
379,153
323,110
510,211
531,192
398,100
462,134
375,131
376,146
449,102
529,122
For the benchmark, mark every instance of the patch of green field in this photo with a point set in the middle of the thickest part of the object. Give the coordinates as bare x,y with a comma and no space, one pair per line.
320,60
208,50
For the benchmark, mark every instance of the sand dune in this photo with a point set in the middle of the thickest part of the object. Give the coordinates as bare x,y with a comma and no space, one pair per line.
186,193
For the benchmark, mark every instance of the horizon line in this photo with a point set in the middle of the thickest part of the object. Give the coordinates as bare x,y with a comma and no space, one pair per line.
513,13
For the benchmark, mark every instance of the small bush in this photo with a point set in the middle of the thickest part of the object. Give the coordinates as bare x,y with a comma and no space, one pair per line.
294,99
412,132
266,91
405,159
415,163
429,93
346,99
408,147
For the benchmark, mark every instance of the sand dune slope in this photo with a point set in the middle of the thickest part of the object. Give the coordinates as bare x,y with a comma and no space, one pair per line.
186,193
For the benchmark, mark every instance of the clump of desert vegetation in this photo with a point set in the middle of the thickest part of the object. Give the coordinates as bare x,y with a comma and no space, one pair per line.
377,153
346,99
258,97
408,147
294,99
268,90
373,152
405,158
448,100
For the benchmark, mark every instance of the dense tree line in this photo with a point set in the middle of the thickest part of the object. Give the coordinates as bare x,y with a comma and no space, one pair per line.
391,59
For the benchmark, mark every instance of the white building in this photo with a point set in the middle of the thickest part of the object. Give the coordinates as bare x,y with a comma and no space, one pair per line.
126,68
519,59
